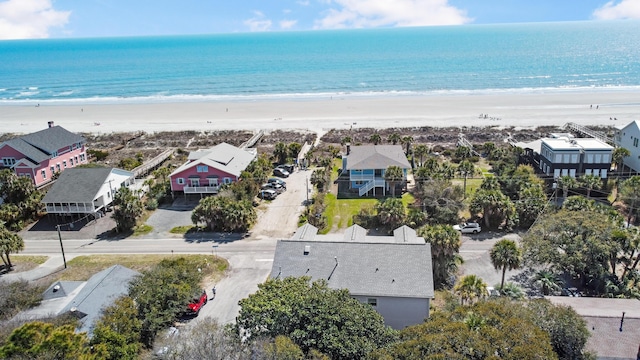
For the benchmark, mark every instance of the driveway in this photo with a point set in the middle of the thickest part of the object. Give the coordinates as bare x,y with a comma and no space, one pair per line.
475,251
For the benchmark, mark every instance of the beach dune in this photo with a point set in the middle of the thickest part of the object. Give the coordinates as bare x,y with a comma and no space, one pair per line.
601,108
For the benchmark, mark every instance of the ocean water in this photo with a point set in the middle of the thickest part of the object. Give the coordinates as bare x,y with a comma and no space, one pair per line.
539,57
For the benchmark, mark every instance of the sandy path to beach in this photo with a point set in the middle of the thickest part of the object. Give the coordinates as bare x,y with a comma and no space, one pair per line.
519,110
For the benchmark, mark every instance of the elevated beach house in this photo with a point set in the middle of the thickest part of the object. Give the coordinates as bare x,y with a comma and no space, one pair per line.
628,137
561,156
42,154
364,168
82,191
206,170
393,274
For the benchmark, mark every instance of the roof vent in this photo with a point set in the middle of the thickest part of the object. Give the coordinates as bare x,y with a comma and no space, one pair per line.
307,249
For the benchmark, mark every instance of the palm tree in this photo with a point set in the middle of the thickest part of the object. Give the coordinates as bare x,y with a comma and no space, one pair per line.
280,152
512,291
421,151
470,287
630,195
466,168
618,157
10,242
505,254
407,141
393,176
375,139
391,212
445,246
345,140
394,138
547,281
567,182
591,182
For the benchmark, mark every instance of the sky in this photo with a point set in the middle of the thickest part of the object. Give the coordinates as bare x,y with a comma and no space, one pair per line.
33,19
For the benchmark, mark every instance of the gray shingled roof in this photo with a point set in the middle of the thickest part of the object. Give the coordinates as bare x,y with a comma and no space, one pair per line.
63,289
378,269
357,233
101,290
376,157
38,146
79,185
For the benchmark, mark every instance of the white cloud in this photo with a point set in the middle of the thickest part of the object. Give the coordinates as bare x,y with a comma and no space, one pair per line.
29,19
374,13
287,24
625,9
303,3
258,23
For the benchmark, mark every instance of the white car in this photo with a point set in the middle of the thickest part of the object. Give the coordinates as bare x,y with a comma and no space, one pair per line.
468,228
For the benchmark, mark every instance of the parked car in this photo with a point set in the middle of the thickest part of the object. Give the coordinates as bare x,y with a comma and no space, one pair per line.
280,172
468,228
278,181
573,292
268,194
288,167
273,186
193,308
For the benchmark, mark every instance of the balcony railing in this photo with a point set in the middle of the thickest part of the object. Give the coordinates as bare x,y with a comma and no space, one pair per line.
201,189
70,208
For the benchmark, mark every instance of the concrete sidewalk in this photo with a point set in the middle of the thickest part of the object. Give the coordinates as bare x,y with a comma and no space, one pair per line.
53,264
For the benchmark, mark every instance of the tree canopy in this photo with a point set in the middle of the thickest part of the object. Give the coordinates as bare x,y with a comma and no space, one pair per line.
505,255
128,207
223,213
314,317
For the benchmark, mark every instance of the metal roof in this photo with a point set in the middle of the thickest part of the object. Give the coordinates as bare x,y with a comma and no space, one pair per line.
225,157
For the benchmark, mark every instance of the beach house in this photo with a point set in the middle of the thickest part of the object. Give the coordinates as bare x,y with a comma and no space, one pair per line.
206,170
565,155
628,137
43,154
393,274
363,168
85,190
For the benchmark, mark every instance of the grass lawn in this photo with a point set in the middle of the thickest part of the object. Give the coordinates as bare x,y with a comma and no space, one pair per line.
82,268
339,212
27,262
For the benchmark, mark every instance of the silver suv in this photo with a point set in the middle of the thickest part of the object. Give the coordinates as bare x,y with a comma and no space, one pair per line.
468,228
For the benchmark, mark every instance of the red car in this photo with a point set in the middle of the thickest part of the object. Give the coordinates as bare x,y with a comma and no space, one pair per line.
193,309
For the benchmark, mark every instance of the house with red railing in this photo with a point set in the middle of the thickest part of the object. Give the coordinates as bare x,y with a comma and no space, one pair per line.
40,155
206,170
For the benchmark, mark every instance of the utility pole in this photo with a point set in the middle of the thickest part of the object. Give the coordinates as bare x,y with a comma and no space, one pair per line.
307,183
61,247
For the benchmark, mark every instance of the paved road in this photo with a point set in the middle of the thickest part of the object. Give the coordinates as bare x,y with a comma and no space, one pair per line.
250,258
475,252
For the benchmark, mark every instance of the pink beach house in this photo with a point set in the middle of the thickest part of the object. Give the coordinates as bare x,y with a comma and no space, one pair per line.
42,154
206,170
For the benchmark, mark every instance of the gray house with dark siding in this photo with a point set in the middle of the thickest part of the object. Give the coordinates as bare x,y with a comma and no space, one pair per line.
391,273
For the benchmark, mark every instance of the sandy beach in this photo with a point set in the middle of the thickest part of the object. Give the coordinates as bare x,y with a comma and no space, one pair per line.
320,114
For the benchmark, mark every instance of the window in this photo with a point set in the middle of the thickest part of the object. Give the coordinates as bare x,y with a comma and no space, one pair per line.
54,154
596,172
589,158
82,157
572,172
372,301
598,159
587,171
213,181
565,172
71,161
227,180
43,173
558,158
76,157
603,173
359,182
180,181
194,182
556,173
8,161
64,164
52,169
202,168
574,158
58,166
635,142
605,158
